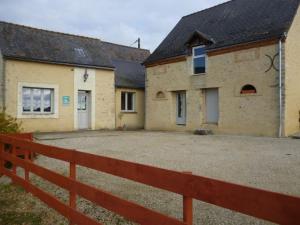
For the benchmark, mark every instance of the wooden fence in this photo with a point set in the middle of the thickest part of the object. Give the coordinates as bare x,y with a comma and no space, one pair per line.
274,207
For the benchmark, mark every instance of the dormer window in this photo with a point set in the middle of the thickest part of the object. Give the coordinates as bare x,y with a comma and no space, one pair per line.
199,60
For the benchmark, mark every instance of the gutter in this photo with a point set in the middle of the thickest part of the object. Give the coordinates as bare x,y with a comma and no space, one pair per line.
59,63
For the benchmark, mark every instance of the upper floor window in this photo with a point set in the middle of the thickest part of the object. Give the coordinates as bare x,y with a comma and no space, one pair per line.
127,101
199,60
37,100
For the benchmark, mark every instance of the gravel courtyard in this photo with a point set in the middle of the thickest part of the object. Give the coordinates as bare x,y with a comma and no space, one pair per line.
268,163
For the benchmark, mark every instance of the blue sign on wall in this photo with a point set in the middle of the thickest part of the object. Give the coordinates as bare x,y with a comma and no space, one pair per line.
66,100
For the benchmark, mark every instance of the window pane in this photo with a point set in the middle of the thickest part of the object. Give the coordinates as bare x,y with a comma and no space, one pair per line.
199,51
199,65
123,96
26,100
37,100
83,102
79,103
47,100
179,106
130,101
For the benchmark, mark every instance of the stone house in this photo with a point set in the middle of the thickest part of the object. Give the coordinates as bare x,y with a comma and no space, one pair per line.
233,68
53,81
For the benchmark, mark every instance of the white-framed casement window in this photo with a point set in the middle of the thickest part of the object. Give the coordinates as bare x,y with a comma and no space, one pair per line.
199,60
37,100
127,101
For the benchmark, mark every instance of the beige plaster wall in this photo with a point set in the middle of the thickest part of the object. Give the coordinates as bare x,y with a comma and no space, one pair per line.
63,78
292,78
1,81
105,100
131,120
256,114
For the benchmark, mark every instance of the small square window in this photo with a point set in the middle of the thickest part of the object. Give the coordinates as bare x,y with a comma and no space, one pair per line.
128,101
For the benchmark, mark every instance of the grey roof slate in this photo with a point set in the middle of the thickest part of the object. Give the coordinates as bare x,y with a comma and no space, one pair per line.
228,24
130,73
27,43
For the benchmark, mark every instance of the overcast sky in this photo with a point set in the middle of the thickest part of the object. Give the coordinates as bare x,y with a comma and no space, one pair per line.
118,21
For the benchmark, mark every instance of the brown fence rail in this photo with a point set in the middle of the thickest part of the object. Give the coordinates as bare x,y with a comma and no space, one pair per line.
274,207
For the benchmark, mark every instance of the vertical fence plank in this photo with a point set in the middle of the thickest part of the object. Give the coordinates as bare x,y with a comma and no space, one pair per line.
27,158
187,208
72,198
14,152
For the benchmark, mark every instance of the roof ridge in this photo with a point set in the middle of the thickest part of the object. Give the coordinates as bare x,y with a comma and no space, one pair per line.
50,31
214,6
126,46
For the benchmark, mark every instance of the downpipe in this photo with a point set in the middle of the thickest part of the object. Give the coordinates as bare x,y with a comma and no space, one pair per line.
280,131
280,89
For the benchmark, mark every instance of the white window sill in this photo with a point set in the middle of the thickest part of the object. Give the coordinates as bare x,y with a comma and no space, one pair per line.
199,74
125,111
128,111
38,116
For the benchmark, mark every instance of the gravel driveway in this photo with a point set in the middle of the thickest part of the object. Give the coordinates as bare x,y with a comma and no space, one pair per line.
268,163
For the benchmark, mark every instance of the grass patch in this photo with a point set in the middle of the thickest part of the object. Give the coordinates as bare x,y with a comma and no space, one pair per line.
16,218
14,207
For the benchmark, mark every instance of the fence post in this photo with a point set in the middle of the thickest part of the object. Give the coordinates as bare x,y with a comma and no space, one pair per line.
72,198
188,208
2,163
14,153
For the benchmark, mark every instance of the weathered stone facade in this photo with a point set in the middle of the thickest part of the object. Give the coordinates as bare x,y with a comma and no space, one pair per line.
251,114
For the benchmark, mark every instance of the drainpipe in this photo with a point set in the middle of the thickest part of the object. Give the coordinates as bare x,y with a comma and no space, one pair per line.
280,132
280,89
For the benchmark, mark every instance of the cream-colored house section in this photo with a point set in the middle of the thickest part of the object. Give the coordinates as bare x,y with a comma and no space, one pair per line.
252,114
80,84
44,75
134,119
292,78
54,114
66,81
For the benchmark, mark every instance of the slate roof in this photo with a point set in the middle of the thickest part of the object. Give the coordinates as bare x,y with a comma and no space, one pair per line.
130,73
27,43
228,24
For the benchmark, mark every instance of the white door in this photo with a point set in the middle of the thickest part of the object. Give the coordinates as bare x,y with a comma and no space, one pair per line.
180,108
212,105
83,109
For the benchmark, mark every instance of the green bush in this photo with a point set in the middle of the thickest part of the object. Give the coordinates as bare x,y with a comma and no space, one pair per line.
9,124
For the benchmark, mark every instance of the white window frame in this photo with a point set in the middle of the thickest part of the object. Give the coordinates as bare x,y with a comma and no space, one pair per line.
126,101
198,56
29,115
42,100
